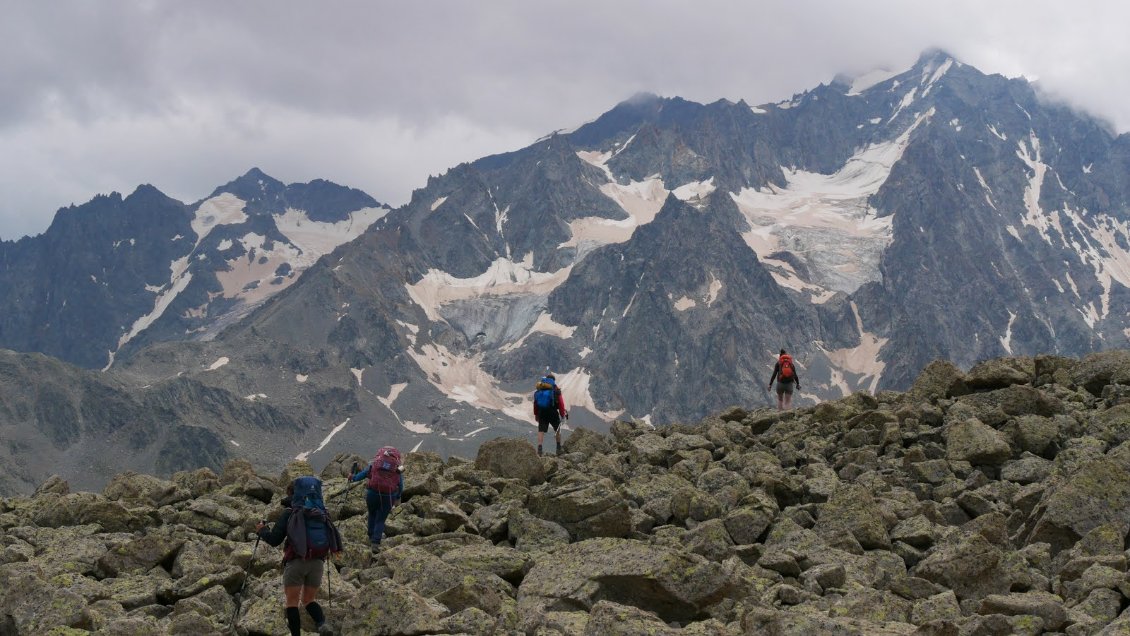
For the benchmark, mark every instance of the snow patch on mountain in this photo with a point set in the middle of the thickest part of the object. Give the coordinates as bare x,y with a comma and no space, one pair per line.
218,363
862,360
223,209
393,393
544,324
695,190
684,303
575,387
825,221
462,379
503,277
869,80
317,238
641,200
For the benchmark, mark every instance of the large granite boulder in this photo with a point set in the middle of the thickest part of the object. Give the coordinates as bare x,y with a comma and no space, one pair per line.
512,458
675,585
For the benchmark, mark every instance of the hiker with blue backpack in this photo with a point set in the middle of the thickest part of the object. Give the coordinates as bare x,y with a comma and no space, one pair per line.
383,490
309,537
549,408
784,372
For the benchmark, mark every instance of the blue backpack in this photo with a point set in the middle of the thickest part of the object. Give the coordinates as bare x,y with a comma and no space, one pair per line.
311,533
544,395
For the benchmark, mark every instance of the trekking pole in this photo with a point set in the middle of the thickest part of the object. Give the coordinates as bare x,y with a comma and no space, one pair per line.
239,592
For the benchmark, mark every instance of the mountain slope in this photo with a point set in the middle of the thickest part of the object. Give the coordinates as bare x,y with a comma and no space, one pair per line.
657,258
114,274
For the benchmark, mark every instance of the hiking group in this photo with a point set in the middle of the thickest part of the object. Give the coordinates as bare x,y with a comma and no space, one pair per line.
308,535
784,372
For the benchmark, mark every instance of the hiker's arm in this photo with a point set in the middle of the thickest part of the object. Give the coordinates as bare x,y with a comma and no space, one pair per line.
361,475
275,534
776,369
399,491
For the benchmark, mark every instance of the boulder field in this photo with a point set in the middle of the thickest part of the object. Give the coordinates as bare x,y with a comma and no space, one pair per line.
993,501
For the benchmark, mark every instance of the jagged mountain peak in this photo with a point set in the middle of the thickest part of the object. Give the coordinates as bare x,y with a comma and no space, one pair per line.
253,185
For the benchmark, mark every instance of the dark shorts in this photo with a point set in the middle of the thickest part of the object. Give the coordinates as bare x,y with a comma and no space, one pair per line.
547,418
303,572
785,386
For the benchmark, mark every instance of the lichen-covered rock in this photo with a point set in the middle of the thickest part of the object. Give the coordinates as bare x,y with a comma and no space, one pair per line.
135,489
673,584
587,441
970,565
512,458
1001,372
972,441
940,379
1096,493
585,507
1097,370
35,604
389,608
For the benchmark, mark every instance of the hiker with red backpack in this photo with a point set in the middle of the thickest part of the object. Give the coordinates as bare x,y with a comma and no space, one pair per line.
310,537
549,408
383,490
784,372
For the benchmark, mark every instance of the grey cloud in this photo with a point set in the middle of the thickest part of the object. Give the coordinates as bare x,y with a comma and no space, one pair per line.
187,95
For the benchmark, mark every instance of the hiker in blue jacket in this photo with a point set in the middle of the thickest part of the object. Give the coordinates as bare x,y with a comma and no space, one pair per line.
301,577
378,503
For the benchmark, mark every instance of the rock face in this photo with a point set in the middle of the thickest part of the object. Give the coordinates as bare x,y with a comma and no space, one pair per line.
999,508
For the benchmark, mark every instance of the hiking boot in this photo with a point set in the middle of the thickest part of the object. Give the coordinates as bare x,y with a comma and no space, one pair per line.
559,450
374,548
325,630
539,450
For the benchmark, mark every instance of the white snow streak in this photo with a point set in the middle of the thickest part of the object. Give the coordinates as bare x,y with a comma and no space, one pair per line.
1006,339
304,455
438,202
218,363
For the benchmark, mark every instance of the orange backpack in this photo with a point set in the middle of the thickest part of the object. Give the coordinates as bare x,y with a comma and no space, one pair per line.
786,362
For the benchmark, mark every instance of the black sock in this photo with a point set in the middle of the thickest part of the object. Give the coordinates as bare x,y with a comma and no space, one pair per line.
294,621
316,613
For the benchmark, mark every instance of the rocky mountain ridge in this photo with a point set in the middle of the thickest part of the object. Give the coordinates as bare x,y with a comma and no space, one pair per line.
656,258
989,502
117,273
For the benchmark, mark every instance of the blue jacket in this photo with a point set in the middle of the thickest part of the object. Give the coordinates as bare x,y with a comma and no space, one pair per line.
364,474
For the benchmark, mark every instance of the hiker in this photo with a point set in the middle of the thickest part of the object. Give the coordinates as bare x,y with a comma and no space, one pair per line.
549,408
310,536
383,490
784,372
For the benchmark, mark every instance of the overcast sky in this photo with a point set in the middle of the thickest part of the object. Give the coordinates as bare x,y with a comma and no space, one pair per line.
103,96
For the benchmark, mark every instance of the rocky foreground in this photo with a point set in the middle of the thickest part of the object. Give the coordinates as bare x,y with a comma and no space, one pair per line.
992,502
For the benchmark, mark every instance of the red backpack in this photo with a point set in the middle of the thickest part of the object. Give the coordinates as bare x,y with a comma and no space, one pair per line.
786,362
384,472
